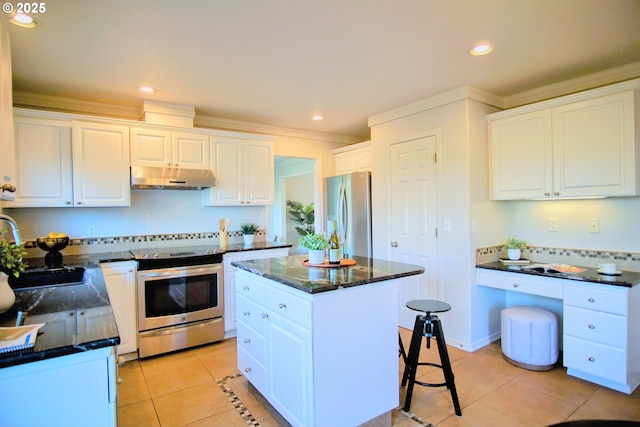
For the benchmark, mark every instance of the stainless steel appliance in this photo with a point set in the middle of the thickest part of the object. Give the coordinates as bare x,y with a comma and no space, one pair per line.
348,202
180,299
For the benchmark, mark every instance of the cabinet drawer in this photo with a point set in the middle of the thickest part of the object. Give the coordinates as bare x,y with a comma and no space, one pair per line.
518,282
252,342
253,370
252,314
289,306
612,300
250,287
596,359
604,328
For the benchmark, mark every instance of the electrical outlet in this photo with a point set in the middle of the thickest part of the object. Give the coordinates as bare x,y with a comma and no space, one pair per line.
553,224
447,225
594,225
91,231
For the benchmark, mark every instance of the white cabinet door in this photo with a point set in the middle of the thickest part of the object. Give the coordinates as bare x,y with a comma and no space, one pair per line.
151,147
190,150
7,175
259,173
101,165
357,159
521,156
594,147
120,279
43,163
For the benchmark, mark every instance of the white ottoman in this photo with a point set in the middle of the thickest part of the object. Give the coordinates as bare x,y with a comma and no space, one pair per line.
530,337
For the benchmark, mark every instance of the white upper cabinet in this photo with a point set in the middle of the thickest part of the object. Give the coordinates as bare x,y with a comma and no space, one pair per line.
353,158
7,171
244,171
161,148
581,145
63,163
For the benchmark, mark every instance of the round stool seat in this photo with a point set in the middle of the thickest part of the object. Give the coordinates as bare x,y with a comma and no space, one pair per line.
428,306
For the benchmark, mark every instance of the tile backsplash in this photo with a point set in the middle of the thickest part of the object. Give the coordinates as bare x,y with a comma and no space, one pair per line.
629,261
152,241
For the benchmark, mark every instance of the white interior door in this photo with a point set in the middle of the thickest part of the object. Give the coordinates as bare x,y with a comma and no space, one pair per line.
413,219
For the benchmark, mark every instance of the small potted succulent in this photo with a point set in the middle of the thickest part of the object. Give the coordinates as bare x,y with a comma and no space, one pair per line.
514,248
316,243
248,230
11,265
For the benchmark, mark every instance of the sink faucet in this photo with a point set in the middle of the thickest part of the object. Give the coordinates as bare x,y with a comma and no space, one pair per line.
14,228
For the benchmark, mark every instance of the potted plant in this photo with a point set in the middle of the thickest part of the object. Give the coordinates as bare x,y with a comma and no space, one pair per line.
303,215
514,248
316,243
248,230
11,265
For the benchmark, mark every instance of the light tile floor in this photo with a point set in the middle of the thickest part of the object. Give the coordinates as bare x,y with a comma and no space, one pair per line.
202,387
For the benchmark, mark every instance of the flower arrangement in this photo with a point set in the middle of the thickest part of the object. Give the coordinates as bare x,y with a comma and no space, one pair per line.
313,241
514,243
248,228
11,258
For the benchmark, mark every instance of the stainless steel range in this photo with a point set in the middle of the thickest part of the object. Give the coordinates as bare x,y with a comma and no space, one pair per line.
180,299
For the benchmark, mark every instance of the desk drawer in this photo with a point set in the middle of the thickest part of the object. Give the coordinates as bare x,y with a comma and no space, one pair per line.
518,282
596,359
595,297
604,328
252,314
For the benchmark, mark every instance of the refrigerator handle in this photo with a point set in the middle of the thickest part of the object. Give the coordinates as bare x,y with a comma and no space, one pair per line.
343,210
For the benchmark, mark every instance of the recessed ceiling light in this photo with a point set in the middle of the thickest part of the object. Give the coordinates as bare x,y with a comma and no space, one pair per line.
481,48
317,117
23,20
147,89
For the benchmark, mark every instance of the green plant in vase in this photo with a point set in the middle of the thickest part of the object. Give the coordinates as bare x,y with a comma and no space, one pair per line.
316,243
514,248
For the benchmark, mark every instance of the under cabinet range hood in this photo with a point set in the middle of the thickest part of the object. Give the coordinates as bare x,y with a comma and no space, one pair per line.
154,178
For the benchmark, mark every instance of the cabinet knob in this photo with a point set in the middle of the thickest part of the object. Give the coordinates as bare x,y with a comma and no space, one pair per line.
394,244
176,165
591,300
591,359
246,313
515,285
265,315
119,380
245,288
556,193
247,369
68,202
592,326
247,341
169,164
282,305
546,194
121,360
78,203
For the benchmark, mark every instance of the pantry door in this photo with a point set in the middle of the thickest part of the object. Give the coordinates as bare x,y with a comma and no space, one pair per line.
414,219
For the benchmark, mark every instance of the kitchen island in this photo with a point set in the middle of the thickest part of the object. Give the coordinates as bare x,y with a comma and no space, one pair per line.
321,344
69,377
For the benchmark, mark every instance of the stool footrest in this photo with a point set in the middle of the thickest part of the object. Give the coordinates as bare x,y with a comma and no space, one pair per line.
430,384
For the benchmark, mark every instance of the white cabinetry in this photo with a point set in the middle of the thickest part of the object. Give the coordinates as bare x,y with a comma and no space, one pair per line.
162,148
294,347
244,170
71,163
230,313
353,158
581,145
120,279
73,390
6,114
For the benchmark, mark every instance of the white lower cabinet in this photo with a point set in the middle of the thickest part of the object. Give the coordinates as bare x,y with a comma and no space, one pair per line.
68,391
294,347
230,314
120,279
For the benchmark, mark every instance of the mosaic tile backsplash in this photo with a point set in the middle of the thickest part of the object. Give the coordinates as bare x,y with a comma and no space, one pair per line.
152,241
629,261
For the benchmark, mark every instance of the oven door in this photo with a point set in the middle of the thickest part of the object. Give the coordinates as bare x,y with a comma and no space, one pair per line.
177,295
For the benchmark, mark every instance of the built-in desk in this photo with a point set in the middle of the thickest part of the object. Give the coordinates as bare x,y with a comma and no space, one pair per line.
600,318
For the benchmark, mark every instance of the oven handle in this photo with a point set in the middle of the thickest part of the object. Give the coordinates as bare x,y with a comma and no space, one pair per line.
180,272
170,330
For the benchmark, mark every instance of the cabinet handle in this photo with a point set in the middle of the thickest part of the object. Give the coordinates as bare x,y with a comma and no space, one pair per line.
591,300
245,288
515,285
119,380
282,305
71,314
121,360
247,341
247,369
176,165
169,164
592,326
556,193
546,194
246,313
591,359
68,202
394,244
265,315
78,203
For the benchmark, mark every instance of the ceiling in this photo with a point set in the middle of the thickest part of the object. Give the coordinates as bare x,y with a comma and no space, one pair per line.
277,62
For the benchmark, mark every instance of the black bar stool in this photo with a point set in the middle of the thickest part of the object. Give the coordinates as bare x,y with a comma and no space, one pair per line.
429,326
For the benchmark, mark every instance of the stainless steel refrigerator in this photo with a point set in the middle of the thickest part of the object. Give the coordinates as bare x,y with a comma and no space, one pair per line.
348,202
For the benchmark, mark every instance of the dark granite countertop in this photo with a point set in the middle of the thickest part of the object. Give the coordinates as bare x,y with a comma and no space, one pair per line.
290,271
625,278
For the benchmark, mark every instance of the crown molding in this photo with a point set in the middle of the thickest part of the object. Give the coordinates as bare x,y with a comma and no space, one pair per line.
75,106
590,81
454,95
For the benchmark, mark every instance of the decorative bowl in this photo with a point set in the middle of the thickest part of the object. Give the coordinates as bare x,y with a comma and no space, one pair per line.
52,244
